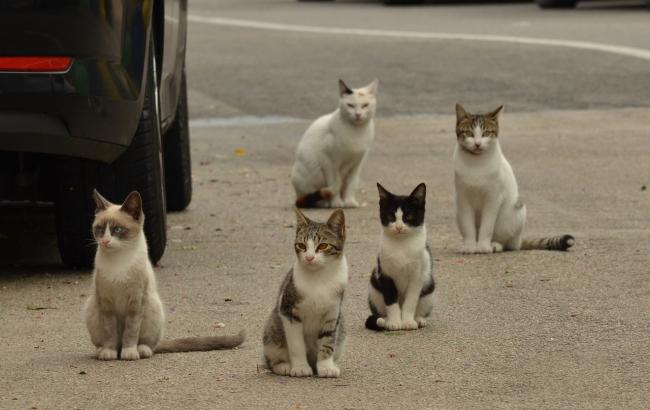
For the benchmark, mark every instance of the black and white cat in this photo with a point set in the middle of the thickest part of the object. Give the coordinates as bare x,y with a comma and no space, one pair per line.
401,285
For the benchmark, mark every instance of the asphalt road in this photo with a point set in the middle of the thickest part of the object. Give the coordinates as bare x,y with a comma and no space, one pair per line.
515,330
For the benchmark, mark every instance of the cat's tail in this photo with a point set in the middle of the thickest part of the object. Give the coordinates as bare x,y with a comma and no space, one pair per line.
371,323
200,343
553,243
312,199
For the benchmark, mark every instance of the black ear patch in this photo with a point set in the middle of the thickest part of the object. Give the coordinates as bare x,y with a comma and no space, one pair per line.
412,206
344,89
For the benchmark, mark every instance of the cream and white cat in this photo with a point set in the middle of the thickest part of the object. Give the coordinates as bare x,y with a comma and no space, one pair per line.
489,212
332,151
124,314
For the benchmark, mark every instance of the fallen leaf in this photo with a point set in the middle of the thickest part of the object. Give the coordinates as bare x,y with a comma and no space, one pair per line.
240,152
391,355
643,187
227,300
39,307
82,372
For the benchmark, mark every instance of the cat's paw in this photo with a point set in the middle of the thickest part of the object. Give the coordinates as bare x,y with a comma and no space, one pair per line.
496,247
328,369
422,322
129,353
301,370
409,324
282,369
483,248
105,353
144,351
389,324
337,202
468,248
351,203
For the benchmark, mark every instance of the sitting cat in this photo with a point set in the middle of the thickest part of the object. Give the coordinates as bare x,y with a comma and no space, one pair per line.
305,334
489,212
124,313
401,285
332,150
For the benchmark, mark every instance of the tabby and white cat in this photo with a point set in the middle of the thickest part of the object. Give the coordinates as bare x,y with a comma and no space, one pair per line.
401,285
124,313
305,333
332,151
489,212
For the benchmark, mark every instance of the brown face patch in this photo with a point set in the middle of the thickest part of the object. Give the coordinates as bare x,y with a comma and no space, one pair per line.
121,224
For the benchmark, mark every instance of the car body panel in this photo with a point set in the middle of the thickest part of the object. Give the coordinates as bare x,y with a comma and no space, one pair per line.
99,100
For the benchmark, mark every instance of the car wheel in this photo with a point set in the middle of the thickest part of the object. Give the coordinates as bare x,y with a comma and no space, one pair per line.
178,164
556,4
140,168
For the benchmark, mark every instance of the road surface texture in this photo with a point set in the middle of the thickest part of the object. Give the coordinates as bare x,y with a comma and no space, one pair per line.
530,329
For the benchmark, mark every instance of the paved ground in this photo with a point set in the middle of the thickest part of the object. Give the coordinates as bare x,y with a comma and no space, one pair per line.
516,330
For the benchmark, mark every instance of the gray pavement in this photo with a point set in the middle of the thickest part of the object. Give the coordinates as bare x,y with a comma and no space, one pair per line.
515,330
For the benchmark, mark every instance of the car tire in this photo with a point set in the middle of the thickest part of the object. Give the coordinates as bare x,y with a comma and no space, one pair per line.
140,168
178,164
556,4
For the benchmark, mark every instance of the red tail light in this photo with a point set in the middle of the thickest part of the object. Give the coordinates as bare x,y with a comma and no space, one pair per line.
35,64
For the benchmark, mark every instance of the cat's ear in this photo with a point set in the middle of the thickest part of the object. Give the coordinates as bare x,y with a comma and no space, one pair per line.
372,87
419,194
383,192
101,203
495,114
301,218
336,222
344,89
461,114
133,205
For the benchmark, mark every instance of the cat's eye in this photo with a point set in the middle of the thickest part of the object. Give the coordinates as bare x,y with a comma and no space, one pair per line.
350,105
408,218
364,106
323,247
300,247
118,230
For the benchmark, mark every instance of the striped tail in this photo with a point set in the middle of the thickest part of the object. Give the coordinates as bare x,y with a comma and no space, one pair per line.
553,243
312,199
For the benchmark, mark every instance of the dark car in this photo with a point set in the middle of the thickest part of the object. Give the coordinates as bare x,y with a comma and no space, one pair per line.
93,95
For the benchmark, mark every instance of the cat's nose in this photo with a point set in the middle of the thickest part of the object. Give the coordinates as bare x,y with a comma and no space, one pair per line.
399,228
309,258
104,241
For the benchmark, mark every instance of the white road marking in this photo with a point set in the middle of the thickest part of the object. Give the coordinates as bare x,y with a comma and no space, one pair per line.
241,121
582,45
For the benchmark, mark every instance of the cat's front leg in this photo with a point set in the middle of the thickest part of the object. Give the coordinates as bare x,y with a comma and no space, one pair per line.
351,184
488,220
293,330
108,349
333,181
325,365
130,336
466,220
410,304
386,286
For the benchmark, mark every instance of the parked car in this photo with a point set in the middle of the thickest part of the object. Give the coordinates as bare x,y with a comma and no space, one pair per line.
93,95
564,4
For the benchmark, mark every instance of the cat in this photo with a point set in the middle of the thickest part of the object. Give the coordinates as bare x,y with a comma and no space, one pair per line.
124,312
401,287
489,211
305,333
332,151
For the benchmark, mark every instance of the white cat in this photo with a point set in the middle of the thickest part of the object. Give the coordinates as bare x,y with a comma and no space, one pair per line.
332,151
489,212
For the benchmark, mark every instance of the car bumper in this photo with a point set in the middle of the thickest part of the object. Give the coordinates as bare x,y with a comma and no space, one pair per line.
92,110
